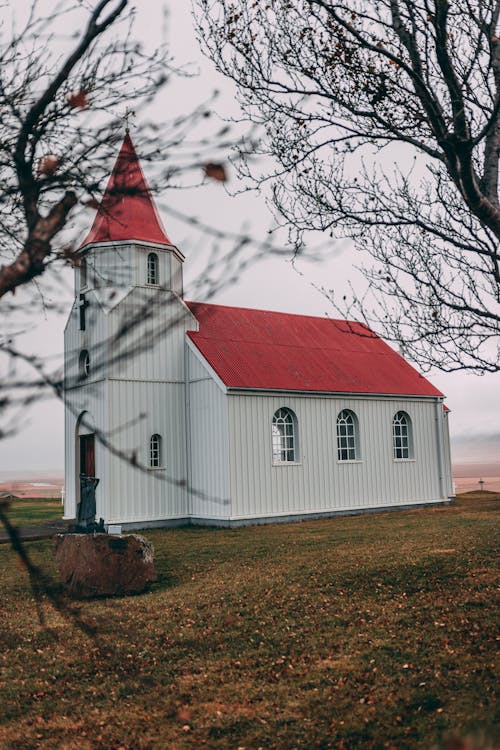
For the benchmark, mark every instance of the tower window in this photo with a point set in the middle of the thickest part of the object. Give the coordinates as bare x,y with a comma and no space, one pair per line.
153,270
155,457
84,364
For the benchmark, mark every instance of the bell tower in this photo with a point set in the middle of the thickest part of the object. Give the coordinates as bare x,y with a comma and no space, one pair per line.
127,245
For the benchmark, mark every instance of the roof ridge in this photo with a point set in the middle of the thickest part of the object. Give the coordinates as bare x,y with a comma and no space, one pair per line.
282,312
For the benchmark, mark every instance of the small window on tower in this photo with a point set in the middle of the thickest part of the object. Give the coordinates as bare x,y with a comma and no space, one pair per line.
84,364
153,269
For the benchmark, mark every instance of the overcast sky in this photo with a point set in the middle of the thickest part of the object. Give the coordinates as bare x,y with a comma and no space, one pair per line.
272,283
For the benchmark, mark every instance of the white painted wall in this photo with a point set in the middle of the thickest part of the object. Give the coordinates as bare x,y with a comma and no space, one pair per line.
318,482
208,442
121,264
448,479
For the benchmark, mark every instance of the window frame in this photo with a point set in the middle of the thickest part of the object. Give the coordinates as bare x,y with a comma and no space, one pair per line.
153,270
155,451
286,442
402,433
347,433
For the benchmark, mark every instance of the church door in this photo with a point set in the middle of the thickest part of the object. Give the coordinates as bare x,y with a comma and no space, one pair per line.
87,455
86,509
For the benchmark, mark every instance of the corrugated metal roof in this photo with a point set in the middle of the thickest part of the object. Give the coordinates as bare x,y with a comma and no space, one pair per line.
279,351
127,210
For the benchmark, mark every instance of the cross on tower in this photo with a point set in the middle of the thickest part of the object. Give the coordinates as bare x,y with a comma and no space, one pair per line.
82,306
128,114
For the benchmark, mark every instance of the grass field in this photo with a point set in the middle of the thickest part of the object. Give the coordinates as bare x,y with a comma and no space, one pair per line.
372,631
35,511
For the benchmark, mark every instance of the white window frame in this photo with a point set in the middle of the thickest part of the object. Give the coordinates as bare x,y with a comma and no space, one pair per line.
153,270
284,437
347,428
155,451
402,437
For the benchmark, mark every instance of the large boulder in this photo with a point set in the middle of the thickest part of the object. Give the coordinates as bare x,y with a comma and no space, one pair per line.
100,565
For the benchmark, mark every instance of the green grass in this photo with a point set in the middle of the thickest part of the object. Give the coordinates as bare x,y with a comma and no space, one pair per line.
372,631
35,511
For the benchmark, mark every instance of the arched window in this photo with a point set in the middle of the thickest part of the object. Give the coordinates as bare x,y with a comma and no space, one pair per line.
402,435
155,457
284,435
84,364
347,436
153,269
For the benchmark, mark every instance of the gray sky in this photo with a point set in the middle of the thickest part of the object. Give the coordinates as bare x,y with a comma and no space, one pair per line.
272,283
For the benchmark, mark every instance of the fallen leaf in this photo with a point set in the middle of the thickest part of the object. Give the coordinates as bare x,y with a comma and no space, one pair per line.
78,100
48,165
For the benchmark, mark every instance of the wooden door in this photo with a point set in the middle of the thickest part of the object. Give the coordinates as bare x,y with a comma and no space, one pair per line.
87,455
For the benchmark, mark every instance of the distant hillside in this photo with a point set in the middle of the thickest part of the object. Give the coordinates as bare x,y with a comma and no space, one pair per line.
36,486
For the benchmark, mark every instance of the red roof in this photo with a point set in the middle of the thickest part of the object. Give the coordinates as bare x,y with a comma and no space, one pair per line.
127,211
280,351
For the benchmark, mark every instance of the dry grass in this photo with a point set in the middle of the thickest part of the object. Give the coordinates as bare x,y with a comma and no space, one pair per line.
372,631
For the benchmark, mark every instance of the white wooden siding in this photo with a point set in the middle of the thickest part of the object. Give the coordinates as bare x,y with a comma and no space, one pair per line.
137,411
318,482
448,479
110,264
208,443
119,264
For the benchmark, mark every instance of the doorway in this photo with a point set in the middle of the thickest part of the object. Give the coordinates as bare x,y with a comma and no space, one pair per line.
87,455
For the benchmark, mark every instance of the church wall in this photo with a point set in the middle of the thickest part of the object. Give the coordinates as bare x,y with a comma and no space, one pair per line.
139,410
124,264
146,397
108,265
318,482
208,443
91,339
153,346
448,479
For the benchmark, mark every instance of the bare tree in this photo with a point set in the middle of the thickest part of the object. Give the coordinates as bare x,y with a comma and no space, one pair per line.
65,100
383,124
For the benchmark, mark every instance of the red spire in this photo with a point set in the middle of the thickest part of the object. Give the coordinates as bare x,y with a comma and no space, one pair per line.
127,211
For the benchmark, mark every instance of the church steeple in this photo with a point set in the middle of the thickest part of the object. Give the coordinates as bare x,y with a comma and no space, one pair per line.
127,210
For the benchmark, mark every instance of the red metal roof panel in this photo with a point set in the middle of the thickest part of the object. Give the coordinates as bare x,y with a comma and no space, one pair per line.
280,351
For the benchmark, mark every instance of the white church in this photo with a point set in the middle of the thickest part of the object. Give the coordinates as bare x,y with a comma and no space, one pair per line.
195,413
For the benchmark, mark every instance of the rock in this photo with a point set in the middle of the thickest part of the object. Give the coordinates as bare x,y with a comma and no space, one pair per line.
101,565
